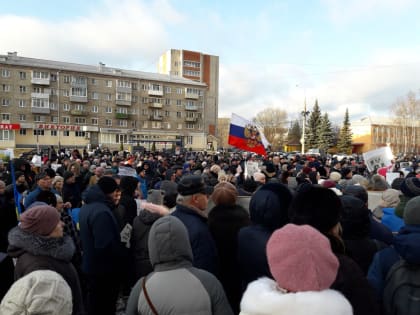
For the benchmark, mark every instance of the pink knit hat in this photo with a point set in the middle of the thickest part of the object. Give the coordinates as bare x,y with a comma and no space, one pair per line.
300,259
40,220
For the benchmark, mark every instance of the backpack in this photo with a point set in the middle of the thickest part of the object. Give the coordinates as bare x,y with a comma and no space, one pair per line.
402,289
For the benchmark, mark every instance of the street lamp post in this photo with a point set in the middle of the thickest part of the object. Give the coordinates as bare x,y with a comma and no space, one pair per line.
304,114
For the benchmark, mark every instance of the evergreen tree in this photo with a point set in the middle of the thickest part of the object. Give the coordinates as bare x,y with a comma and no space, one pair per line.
326,134
294,134
344,144
312,127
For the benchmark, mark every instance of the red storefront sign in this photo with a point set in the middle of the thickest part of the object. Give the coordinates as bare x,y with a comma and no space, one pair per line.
57,127
9,126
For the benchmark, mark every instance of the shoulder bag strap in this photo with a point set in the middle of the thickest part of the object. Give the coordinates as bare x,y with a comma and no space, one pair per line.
152,307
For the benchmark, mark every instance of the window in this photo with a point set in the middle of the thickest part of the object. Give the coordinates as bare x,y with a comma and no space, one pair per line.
108,97
79,120
66,79
108,109
192,64
79,80
5,73
66,133
53,77
122,96
144,87
22,132
122,110
22,117
192,73
167,89
178,115
66,119
189,126
156,124
5,101
134,98
188,140
122,123
144,100
95,108
94,121
6,88
108,122
124,84
5,117
178,103
66,93
167,101
38,132
108,83
145,124
40,102
53,133
134,86
78,91
94,81
22,103
66,107
22,75
95,95
80,134
144,112
53,92
167,113
178,91
6,135
155,87
37,90
79,107
40,75
22,89
54,119
39,118
53,106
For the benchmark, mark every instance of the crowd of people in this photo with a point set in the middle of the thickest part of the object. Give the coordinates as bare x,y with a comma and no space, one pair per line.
197,233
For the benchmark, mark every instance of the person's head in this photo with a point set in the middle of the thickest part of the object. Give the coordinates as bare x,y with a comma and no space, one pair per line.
412,211
355,219
259,177
128,185
42,220
225,194
300,259
99,172
170,190
335,176
86,165
69,177
20,178
358,192
377,183
390,198
268,205
48,197
109,187
57,183
192,192
60,204
410,187
43,181
39,292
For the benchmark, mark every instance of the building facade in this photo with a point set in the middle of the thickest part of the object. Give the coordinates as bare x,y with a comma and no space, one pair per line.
50,103
198,67
370,133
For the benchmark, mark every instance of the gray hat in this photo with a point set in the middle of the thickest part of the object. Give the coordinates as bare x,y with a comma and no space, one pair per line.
412,211
191,184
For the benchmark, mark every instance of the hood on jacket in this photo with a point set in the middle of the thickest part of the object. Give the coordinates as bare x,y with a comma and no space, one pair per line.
169,244
262,297
407,243
269,205
93,194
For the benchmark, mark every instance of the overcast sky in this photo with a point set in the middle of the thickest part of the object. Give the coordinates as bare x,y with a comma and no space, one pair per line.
357,54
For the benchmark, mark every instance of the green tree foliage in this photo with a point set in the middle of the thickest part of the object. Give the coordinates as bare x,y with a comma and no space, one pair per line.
344,144
326,134
295,133
312,127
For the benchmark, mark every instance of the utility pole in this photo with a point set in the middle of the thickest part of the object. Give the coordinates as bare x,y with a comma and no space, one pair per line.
304,114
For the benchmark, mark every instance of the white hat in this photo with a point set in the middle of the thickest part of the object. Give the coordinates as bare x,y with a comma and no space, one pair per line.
39,292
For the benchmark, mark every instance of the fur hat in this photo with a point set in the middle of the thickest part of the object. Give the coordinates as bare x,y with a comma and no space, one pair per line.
191,184
224,193
300,259
390,198
412,211
317,206
41,220
410,187
39,292
107,184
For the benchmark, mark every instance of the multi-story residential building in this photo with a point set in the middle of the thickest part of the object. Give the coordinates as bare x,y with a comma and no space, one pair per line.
45,102
371,133
201,68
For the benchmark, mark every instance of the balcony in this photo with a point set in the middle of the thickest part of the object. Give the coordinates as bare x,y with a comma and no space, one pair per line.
191,107
123,88
156,117
45,95
190,95
76,112
122,115
155,105
191,119
123,102
79,82
78,99
40,110
155,92
41,81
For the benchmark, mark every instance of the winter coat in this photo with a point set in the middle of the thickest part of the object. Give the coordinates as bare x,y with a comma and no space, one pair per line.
202,243
139,240
263,297
102,249
224,224
390,220
34,252
72,194
175,286
406,245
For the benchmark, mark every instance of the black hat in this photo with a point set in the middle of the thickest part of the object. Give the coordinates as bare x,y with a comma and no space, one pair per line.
19,174
41,175
67,175
410,187
191,184
107,184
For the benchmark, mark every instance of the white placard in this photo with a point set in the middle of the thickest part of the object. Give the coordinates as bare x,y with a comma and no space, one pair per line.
378,158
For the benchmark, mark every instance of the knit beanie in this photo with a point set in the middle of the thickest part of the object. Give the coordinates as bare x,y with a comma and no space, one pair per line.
39,292
300,259
412,211
41,220
410,187
396,183
107,184
390,198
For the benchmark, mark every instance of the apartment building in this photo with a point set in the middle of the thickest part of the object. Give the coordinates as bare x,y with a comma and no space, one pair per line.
198,67
45,102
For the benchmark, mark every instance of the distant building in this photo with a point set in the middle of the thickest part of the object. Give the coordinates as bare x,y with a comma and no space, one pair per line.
371,133
45,102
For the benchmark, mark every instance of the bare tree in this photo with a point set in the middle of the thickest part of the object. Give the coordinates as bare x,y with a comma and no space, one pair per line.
274,123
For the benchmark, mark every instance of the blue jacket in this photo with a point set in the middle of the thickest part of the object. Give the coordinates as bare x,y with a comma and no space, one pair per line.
406,245
202,243
99,233
390,220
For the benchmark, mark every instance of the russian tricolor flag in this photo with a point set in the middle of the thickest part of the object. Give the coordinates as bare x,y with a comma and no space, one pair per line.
246,135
